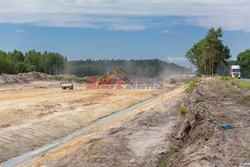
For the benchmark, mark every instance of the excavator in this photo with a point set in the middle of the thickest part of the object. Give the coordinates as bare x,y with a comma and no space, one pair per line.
113,75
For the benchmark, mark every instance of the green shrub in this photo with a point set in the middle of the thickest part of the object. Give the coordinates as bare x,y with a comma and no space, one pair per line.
244,85
224,78
199,100
192,83
189,80
171,153
172,150
244,99
58,77
69,78
183,111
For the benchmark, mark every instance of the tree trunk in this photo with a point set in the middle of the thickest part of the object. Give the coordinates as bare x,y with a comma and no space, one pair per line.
212,67
205,71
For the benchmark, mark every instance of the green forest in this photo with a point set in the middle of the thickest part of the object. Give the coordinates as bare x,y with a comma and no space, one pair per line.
16,62
210,56
54,64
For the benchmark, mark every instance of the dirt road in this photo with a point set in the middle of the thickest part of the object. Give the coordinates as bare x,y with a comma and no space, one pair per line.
38,113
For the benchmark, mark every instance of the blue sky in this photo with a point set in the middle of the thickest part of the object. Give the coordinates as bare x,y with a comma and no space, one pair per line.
121,29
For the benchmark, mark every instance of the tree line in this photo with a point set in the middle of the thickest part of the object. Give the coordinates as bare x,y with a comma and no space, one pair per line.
209,56
48,62
54,64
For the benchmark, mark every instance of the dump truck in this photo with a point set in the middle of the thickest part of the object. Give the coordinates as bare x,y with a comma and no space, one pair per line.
65,85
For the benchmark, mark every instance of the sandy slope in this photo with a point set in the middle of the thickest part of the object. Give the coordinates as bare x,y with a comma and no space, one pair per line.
137,138
37,113
151,134
205,142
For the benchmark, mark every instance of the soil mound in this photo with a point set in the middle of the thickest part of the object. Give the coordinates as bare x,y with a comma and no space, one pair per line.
23,77
201,139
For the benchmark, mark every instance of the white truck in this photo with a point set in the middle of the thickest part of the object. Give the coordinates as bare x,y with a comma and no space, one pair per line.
66,85
235,71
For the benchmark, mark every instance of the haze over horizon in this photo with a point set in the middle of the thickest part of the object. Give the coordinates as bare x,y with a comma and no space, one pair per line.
121,29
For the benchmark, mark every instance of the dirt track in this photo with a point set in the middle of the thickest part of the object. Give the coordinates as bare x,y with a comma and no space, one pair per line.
37,113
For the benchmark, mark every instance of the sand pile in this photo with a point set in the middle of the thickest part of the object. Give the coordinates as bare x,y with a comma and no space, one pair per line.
23,77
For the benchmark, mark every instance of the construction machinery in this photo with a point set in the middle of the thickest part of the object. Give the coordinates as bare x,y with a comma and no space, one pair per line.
66,85
172,81
112,76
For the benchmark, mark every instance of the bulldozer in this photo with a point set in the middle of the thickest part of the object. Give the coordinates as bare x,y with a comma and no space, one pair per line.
113,75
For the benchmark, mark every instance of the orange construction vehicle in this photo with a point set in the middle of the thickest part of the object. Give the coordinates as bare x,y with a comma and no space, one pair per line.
112,76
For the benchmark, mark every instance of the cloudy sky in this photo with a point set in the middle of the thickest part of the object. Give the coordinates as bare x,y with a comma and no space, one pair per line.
121,29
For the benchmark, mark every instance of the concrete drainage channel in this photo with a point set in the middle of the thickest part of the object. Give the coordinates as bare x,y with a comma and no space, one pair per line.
22,158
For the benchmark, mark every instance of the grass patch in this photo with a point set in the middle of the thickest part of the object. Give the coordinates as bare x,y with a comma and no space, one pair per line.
183,111
171,152
69,78
244,99
58,77
244,85
199,100
192,83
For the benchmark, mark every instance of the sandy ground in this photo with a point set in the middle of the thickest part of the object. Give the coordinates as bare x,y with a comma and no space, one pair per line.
37,113
213,104
154,134
138,138
151,134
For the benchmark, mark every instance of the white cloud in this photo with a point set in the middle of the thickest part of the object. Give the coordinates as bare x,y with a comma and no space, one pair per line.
229,14
19,32
167,32
126,27
227,23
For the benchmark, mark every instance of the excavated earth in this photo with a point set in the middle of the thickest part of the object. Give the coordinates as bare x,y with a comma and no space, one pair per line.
154,134
202,137
137,138
157,134
35,111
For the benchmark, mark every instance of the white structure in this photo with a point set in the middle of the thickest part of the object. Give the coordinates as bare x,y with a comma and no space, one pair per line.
235,71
